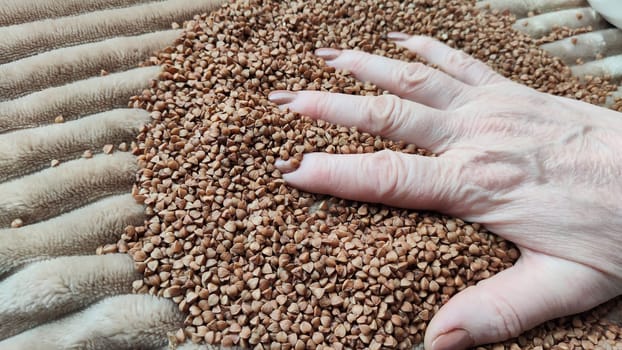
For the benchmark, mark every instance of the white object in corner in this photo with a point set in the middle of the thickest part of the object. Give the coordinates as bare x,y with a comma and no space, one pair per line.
610,9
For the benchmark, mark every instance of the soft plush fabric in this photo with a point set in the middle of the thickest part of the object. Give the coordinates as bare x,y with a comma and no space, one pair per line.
67,71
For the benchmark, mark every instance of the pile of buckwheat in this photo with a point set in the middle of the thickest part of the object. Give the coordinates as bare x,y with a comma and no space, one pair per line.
256,263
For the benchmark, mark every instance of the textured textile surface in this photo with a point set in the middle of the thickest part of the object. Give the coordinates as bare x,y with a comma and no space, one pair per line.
595,50
67,70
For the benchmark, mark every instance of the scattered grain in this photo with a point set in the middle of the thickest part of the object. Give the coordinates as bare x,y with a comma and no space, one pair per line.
87,154
108,148
257,263
17,223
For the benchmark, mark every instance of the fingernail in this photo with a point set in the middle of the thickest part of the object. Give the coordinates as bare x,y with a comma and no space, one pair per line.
327,54
398,36
287,166
458,339
281,97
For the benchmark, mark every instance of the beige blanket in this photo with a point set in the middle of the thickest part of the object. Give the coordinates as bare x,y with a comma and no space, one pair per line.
67,70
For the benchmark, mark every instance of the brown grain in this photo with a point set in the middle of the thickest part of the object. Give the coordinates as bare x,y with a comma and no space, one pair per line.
17,223
255,263
108,148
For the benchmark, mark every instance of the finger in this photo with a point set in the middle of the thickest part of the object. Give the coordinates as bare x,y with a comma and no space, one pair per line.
70,185
50,289
414,81
392,178
535,290
78,232
455,62
121,322
384,115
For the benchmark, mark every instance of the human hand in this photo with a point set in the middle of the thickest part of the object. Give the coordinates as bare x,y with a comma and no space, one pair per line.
539,170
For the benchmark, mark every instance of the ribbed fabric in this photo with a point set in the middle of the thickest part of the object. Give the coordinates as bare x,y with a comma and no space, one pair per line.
67,71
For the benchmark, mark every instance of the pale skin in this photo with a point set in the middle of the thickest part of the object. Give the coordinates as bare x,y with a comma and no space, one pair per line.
542,171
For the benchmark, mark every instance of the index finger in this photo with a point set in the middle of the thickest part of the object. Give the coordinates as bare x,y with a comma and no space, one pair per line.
455,62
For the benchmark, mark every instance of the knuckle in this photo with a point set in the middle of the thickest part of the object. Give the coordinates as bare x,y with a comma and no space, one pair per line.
386,167
425,43
470,115
503,119
383,115
359,61
460,60
413,77
323,105
505,318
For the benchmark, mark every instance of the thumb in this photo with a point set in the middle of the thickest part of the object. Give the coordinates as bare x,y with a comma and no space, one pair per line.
538,288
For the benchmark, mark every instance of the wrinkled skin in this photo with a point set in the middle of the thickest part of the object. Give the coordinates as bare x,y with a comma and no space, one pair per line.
541,171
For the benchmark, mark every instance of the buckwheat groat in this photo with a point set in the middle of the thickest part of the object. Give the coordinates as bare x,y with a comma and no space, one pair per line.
255,263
